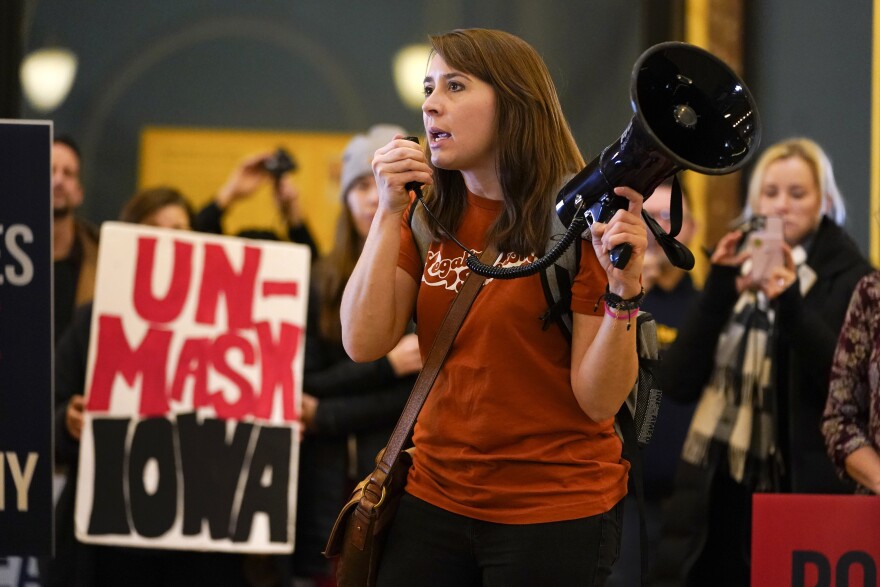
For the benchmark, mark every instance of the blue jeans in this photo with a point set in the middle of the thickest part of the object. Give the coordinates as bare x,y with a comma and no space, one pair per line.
428,546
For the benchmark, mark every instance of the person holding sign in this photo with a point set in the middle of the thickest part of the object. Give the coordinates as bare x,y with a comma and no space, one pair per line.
76,563
756,352
349,408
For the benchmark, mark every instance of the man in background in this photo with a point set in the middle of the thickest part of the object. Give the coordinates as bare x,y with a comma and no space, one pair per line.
669,293
75,242
75,260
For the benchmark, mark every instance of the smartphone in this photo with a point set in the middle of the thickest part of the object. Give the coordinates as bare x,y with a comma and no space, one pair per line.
765,245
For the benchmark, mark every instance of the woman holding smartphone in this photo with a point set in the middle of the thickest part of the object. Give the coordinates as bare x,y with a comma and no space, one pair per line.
757,350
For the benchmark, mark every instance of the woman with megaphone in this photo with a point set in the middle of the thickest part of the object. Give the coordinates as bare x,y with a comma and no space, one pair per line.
517,475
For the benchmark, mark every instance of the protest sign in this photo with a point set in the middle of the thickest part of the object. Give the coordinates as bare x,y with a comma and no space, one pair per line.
193,392
26,334
806,540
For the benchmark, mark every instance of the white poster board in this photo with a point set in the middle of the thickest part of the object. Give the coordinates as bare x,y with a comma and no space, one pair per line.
193,392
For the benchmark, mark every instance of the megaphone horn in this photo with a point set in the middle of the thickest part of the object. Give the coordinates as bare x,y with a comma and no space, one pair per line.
691,112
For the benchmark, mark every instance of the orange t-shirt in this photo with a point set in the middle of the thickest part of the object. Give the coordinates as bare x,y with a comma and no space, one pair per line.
501,437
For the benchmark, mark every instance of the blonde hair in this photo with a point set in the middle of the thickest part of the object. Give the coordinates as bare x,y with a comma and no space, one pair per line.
810,153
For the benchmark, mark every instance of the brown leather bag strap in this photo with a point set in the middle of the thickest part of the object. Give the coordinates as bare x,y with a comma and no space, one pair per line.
372,493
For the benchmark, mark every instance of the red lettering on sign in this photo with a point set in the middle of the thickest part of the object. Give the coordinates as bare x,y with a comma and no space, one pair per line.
244,405
277,369
167,308
192,364
237,288
115,357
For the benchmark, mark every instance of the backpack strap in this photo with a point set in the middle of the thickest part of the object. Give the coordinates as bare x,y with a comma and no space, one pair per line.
419,229
635,420
632,452
557,280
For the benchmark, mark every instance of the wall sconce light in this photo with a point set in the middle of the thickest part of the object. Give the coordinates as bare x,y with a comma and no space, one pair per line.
47,76
409,74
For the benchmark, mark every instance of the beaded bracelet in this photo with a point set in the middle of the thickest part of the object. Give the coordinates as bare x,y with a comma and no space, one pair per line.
630,306
619,303
618,315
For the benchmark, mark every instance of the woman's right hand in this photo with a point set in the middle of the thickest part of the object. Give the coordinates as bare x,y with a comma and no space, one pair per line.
728,254
73,416
244,180
396,164
726,251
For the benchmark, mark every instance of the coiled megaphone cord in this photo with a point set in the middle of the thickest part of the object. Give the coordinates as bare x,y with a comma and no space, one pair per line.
577,226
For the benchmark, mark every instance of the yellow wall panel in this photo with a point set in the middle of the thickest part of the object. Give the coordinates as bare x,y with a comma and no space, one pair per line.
197,161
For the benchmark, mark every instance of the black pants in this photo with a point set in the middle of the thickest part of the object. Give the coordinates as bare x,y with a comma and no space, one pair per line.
705,539
428,546
726,558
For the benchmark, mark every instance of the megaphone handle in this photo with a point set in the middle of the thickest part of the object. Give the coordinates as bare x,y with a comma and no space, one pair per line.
414,186
620,255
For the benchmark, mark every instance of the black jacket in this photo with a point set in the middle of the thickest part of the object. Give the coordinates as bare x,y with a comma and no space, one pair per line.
807,329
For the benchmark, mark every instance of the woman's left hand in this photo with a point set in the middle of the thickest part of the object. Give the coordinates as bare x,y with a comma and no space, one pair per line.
780,278
626,226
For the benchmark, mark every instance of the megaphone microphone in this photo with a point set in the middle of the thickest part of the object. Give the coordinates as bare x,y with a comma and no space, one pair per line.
691,112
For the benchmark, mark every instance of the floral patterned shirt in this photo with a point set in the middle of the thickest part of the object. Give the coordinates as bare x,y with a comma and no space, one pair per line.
852,412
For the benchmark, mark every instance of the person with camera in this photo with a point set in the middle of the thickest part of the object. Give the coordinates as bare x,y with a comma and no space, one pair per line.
252,173
107,565
517,477
756,352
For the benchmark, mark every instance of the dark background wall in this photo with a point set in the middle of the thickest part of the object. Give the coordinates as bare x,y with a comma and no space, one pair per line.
325,65
321,65
809,66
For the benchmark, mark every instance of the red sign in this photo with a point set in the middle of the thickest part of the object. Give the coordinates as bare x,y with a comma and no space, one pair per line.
815,540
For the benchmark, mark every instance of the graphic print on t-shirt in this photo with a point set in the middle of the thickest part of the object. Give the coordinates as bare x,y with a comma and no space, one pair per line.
451,273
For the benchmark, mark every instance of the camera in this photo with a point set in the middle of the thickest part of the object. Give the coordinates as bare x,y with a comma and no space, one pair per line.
763,239
279,163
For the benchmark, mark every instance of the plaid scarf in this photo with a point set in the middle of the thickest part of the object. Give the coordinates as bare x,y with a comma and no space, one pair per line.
735,412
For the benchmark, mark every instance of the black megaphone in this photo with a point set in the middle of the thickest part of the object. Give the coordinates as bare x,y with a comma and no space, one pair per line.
691,112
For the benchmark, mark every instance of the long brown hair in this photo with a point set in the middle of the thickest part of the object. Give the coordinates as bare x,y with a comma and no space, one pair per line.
332,272
536,149
151,200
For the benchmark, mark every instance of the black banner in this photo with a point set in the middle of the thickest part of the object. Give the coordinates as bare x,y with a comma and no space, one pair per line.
25,338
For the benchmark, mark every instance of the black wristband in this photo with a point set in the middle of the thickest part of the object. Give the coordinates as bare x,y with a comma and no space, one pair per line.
614,301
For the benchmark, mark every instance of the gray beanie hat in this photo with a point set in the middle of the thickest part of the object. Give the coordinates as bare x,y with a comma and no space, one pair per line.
358,157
